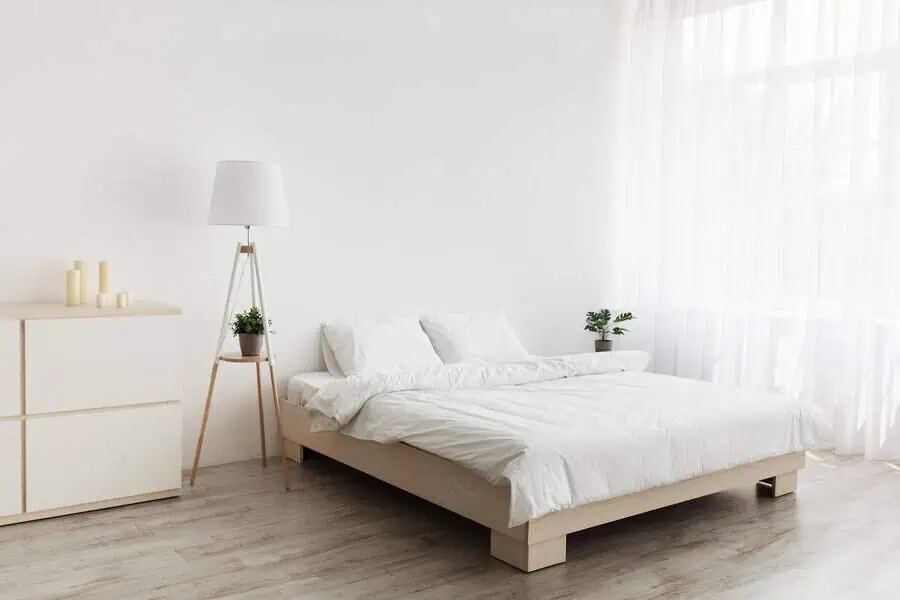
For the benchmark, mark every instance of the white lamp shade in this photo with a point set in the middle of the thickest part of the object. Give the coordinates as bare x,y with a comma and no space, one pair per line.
248,193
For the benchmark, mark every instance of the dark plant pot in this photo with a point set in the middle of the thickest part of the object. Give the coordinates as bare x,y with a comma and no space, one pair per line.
602,345
251,343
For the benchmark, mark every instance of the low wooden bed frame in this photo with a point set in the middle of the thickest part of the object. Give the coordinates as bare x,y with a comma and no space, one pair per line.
540,542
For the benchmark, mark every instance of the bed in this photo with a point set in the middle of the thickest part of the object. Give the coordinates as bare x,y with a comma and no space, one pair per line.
539,448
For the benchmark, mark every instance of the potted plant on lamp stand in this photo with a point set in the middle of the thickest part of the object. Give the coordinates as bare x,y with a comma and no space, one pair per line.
248,327
604,324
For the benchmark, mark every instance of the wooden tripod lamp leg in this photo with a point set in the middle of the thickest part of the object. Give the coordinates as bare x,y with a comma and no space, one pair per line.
215,369
209,395
270,354
284,458
262,423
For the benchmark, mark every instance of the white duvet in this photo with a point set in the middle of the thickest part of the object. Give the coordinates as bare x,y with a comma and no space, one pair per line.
570,430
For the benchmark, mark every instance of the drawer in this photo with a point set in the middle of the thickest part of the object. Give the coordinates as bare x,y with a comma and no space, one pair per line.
10,468
93,456
74,364
10,369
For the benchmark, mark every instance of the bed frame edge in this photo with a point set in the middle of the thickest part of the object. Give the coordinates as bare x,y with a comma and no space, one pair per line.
541,542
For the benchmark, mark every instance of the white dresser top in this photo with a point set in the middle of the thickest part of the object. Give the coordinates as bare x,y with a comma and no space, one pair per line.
31,311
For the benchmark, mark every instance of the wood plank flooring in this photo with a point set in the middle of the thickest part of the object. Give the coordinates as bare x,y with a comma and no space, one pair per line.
341,534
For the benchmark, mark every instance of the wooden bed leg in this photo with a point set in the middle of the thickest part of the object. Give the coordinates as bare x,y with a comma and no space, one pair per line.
784,484
781,485
293,450
525,556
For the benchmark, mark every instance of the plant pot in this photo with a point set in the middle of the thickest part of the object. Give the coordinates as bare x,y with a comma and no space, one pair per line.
602,345
251,343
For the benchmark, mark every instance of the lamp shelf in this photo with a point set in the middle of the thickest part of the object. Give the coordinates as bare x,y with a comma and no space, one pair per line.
234,357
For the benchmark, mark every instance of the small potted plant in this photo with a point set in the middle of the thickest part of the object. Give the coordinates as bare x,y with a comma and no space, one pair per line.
604,324
249,328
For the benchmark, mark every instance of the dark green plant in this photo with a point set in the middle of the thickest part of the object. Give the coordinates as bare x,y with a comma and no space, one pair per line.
604,324
249,321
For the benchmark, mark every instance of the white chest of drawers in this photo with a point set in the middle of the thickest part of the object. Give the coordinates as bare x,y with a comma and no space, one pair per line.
90,413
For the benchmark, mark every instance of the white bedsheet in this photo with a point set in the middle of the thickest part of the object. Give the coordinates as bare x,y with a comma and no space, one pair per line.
567,431
304,386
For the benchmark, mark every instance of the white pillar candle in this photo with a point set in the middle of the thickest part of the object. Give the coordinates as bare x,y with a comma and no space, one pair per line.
104,277
121,300
102,300
73,287
81,267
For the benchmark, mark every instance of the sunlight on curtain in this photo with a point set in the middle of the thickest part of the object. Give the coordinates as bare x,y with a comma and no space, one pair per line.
758,216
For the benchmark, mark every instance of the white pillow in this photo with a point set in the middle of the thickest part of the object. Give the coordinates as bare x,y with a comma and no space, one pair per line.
331,362
479,338
380,346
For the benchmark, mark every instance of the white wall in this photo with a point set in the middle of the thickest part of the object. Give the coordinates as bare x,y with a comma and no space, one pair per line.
439,155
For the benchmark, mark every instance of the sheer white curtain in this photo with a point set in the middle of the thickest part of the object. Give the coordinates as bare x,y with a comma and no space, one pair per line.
757,222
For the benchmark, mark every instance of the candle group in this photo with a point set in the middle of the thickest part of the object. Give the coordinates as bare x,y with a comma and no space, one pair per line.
76,287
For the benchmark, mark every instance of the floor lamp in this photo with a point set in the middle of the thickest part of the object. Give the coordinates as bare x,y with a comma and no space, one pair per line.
247,194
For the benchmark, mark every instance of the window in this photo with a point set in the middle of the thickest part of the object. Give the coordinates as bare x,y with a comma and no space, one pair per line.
804,89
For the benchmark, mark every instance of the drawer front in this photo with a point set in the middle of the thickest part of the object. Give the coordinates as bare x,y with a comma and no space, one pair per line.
74,364
10,468
10,369
94,456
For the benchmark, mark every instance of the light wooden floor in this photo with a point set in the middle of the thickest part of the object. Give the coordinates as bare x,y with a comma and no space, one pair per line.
340,534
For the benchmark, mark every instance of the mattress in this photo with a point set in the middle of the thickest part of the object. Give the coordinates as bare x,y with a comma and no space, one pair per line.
567,431
304,386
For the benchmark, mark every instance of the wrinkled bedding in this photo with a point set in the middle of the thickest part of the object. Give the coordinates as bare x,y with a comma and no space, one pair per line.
566,431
